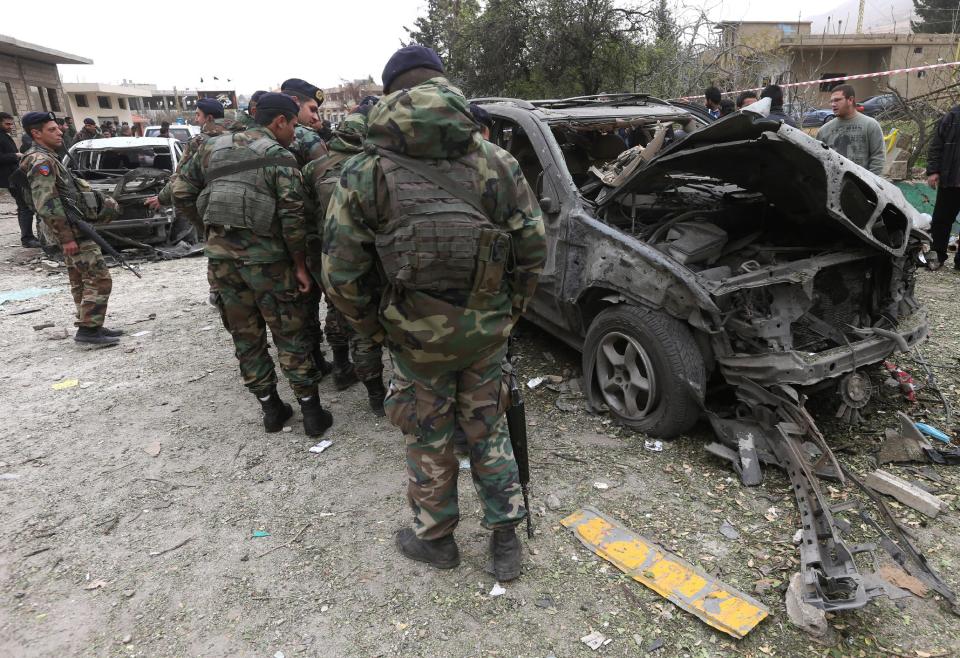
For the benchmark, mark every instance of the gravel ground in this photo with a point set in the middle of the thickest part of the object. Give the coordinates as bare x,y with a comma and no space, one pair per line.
87,502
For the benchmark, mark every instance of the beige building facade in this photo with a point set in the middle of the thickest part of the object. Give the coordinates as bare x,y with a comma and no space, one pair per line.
100,102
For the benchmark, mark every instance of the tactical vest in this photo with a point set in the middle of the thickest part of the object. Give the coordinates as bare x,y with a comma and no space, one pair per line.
435,240
236,194
85,199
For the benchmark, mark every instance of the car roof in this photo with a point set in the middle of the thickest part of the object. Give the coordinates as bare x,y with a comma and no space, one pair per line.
591,108
123,142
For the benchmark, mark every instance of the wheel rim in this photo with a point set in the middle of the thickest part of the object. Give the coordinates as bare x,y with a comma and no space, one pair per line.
625,376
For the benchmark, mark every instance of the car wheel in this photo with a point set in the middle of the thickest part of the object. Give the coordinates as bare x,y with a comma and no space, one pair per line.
645,367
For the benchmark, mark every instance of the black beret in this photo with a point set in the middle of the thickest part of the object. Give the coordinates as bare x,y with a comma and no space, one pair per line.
274,101
256,95
302,88
89,122
407,58
32,119
481,116
210,106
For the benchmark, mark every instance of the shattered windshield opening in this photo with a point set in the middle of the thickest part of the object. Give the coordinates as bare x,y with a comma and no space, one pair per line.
106,163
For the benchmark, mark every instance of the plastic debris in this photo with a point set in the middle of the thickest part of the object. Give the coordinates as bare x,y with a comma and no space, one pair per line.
533,383
66,383
497,590
257,534
653,446
932,432
140,333
152,448
97,584
9,476
24,294
595,640
602,486
320,447
207,328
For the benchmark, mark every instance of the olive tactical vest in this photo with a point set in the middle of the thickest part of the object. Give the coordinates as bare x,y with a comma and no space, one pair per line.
436,240
85,199
236,193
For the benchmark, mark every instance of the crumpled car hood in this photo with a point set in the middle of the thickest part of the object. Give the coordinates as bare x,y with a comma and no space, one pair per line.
798,174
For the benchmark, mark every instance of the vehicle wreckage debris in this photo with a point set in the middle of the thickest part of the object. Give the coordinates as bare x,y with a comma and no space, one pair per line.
686,586
910,495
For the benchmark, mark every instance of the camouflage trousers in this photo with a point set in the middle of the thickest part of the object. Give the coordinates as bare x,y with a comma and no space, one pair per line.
366,354
90,284
253,297
428,411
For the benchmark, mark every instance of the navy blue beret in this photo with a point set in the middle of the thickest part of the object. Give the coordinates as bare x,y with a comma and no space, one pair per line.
33,119
407,58
273,101
481,116
210,106
89,122
256,95
302,88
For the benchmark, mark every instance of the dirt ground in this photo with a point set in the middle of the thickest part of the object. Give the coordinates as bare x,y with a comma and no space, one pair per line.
86,503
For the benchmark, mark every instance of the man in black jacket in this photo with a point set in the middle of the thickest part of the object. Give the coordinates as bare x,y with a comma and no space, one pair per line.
9,158
775,94
943,174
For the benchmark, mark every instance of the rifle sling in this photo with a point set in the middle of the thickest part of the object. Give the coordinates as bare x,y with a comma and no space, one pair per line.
436,177
237,167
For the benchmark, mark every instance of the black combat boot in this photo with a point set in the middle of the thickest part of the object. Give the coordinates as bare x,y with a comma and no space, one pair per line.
316,419
94,336
376,394
505,551
275,412
111,332
344,375
440,553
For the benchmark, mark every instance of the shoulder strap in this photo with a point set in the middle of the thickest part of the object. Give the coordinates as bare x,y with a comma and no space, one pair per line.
247,165
434,176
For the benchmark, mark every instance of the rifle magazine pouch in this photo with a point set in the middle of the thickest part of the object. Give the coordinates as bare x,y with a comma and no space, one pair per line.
492,253
90,204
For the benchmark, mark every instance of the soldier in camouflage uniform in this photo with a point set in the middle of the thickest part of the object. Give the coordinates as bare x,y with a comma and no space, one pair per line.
308,145
320,177
247,120
462,252
247,190
52,191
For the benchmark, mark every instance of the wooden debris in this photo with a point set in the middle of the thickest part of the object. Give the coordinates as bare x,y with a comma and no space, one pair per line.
901,578
908,494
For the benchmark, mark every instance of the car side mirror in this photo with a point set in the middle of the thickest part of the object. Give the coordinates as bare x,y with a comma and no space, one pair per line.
549,206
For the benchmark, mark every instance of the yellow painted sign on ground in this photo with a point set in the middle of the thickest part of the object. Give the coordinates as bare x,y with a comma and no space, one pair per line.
723,607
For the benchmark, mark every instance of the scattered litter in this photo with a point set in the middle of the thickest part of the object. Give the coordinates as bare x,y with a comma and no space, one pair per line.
86,385
152,316
905,444
497,590
595,640
127,639
278,654
52,264
260,533
320,447
569,402
10,476
172,548
129,593
803,615
656,644
24,294
907,493
602,486
552,379
464,463
653,446
140,333
197,378
45,325
728,531
152,449
533,383
716,603
97,584
207,328
932,432
897,576
553,502
287,429
798,536
66,383
26,311
771,514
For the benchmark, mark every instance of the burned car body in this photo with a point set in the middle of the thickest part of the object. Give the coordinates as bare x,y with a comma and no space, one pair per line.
132,169
741,257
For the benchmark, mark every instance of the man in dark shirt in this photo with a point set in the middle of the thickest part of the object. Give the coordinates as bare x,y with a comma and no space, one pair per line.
943,175
9,159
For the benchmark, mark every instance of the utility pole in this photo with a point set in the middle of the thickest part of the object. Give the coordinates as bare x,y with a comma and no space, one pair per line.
860,17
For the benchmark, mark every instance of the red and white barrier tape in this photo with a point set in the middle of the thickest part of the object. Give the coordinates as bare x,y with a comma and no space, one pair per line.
807,83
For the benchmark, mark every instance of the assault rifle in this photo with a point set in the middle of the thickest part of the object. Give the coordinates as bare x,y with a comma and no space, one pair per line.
78,223
517,424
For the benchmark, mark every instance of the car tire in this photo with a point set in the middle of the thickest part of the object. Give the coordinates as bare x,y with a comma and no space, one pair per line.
628,348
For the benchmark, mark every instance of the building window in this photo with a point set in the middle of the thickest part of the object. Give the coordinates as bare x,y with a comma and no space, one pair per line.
918,50
828,86
6,99
104,102
134,104
82,100
54,100
35,96
122,103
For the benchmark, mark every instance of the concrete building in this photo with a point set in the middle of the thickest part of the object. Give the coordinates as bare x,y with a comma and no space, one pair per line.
750,53
339,101
832,56
29,79
101,102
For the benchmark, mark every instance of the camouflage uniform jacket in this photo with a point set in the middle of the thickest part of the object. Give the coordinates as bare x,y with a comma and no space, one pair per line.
320,177
83,134
244,122
429,333
210,129
288,234
48,180
307,145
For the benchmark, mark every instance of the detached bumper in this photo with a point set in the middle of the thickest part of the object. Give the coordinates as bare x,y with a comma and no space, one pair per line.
806,368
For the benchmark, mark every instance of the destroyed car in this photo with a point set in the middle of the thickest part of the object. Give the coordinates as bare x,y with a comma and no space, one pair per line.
725,270
131,169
